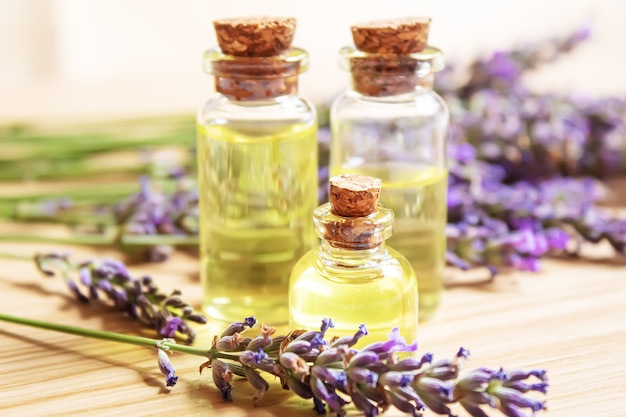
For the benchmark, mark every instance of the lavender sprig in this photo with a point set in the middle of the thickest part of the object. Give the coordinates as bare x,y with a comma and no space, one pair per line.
139,298
372,379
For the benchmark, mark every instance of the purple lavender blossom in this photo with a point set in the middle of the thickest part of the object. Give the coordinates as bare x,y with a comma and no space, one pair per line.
374,378
109,281
166,367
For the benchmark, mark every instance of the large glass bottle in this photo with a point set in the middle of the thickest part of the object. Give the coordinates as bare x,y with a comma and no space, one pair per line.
353,277
391,125
257,169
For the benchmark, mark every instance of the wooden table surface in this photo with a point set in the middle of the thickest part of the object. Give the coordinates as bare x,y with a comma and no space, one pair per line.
569,319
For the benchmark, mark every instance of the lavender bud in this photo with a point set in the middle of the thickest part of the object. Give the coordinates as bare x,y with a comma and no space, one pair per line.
351,340
409,394
85,276
256,380
509,396
175,302
93,292
475,398
474,380
229,343
336,378
362,403
299,388
170,326
239,326
259,342
318,406
524,387
443,369
409,364
332,355
396,379
299,347
316,337
251,358
222,376
519,375
79,295
295,363
166,367
362,376
196,318
397,343
322,393
402,404
105,286
463,353
434,388
363,359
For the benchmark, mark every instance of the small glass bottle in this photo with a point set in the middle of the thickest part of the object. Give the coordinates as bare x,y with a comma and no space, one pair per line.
257,169
353,277
391,125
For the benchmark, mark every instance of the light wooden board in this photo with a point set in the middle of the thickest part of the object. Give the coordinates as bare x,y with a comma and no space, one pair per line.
569,319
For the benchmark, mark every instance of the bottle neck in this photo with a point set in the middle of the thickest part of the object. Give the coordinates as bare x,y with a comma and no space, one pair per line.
241,87
353,233
378,77
256,78
387,75
331,256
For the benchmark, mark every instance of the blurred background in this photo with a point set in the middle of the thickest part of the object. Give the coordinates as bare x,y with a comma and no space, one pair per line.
63,59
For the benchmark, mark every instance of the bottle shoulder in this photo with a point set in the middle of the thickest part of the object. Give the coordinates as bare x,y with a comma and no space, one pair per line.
388,265
288,108
419,102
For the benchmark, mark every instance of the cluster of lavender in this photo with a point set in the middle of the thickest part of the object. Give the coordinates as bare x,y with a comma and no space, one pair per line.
334,374
151,212
517,188
521,164
139,298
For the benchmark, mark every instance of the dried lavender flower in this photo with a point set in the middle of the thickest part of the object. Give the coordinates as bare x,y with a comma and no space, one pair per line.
165,365
109,281
374,378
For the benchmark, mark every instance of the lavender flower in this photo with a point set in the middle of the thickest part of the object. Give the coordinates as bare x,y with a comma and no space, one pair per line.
373,379
139,298
165,365
222,376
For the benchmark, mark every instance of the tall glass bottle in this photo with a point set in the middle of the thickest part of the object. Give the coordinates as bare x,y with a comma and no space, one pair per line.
353,277
257,169
391,125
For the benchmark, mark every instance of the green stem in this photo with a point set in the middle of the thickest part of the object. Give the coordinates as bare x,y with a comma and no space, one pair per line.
7,255
110,336
149,240
117,337
96,240
103,240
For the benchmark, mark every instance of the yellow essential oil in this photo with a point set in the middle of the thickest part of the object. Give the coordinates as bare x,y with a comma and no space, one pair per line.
258,188
417,197
391,124
354,278
257,170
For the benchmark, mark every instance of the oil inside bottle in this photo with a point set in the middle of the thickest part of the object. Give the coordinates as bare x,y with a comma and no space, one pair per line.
380,293
258,189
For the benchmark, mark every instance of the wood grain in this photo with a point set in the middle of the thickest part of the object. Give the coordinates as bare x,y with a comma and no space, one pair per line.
569,319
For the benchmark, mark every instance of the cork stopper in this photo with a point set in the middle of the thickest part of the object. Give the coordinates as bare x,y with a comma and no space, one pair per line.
396,36
354,195
257,36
